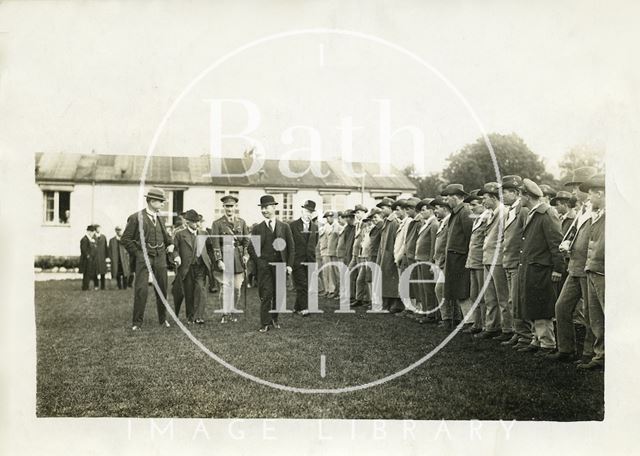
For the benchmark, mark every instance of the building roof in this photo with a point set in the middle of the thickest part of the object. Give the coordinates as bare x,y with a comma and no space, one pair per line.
190,171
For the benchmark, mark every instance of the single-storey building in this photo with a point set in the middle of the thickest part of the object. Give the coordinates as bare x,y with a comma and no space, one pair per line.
78,190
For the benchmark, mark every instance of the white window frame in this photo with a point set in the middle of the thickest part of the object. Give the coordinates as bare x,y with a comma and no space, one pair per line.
56,205
334,196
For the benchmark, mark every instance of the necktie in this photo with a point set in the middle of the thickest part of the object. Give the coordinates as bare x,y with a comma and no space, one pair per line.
270,225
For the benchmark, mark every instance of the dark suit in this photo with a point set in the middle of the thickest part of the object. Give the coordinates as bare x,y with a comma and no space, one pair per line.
195,264
457,281
88,262
102,253
304,252
157,240
266,271
119,262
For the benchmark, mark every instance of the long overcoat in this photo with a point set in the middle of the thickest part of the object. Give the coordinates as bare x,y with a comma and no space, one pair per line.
386,260
118,252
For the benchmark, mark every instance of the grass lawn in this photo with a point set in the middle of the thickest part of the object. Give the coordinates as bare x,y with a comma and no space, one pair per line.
90,363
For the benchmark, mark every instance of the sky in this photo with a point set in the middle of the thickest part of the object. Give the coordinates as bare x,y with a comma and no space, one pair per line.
79,77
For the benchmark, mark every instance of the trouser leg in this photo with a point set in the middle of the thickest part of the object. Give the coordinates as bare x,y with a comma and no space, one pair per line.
141,290
595,291
523,328
160,274
565,305
477,280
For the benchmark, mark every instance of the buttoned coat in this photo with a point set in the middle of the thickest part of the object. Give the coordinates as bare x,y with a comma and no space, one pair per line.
131,236
494,238
540,257
102,253
87,256
187,247
304,242
280,231
457,280
513,226
118,252
385,258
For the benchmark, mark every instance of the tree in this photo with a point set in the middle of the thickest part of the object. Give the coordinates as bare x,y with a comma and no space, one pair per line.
579,156
427,186
472,166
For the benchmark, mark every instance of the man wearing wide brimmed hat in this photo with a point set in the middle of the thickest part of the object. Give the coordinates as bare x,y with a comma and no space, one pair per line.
152,246
193,262
594,268
305,238
230,228
541,265
512,240
276,246
498,321
457,276
574,335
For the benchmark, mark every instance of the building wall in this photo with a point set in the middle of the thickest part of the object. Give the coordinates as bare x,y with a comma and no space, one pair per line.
110,204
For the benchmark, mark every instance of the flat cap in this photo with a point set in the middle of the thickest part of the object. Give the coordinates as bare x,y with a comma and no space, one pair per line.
385,202
561,196
413,202
473,196
547,190
439,201
490,188
329,214
511,181
400,202
531,188
360,207
422,203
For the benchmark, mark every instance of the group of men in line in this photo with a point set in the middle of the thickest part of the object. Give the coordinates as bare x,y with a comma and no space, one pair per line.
524,254
95,253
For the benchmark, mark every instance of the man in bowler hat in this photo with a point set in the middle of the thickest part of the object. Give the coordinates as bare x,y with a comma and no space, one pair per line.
276,246
305,237
154,244
88,258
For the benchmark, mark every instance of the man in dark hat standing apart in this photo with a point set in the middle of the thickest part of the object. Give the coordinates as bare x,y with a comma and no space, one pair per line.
193,262
88,258
276,246
237,230
154,244
305,238
385,259
541,265
119,260
102,253
457,279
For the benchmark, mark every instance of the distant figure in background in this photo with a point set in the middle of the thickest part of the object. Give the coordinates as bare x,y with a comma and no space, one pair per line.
119,260
102,253
88,258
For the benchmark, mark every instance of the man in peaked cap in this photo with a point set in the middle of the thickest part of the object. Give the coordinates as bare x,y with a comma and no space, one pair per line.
230,228
305,237
193,262
574,334
276,246
516,217
457,276
154,245
498,317
474,264
541,265
594,268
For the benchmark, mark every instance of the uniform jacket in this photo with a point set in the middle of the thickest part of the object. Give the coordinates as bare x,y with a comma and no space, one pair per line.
187,247
304,242
239,230
513,226
540,257
118,252
280,231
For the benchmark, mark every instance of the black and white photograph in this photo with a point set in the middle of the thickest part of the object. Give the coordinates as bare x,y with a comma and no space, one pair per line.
305,227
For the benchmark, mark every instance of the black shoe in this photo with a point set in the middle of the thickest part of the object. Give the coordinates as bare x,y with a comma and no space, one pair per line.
472,330
487,334
511,342
528,349
591,365
544,352
561,357
357,304
503,337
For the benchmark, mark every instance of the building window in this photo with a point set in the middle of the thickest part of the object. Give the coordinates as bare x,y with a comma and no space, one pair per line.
57,207
284,209
334,202
173,206
218,209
